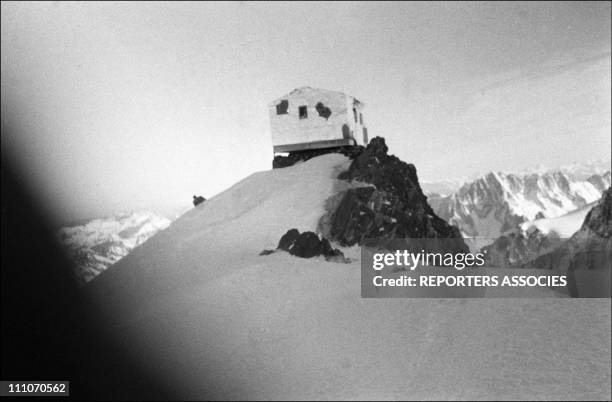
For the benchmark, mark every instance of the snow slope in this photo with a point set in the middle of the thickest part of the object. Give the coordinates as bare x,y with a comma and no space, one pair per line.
209,316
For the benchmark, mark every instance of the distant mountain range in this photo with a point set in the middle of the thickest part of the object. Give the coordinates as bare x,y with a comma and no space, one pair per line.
496,203
520,217
577,170
99,243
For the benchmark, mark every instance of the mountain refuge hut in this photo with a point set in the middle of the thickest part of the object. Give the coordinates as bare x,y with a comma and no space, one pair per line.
309,118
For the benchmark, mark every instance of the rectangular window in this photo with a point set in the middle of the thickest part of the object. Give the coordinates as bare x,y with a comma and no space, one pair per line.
303,111
361,119
355,114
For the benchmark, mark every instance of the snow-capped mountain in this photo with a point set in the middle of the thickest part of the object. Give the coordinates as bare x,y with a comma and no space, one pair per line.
97,244
499,202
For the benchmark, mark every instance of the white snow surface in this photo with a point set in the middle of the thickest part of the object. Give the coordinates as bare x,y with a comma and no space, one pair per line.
200,307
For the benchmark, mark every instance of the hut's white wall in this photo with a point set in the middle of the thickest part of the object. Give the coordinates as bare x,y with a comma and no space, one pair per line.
290,129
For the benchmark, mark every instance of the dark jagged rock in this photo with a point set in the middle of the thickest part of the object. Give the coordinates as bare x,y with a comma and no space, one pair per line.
301,156
197,200
307,245
387,173
287,240
395,207
599,219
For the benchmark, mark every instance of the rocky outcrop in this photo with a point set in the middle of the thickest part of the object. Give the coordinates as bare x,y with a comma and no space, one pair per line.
394,206
307,245
599,219
197,200
301,156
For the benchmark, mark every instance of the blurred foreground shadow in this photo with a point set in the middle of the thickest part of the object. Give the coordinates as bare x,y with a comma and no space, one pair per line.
48,332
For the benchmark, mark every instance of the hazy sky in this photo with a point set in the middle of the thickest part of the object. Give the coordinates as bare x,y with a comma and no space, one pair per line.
125,106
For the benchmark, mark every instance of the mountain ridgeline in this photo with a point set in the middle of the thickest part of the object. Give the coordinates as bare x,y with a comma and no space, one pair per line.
499,202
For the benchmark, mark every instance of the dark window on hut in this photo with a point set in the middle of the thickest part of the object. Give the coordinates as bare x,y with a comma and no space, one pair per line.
355,114
282,107
303,111
360,118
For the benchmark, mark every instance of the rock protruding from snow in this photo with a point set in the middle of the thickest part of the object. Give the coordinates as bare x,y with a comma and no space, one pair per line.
307,245
197,200
394,206
288,239
599,219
